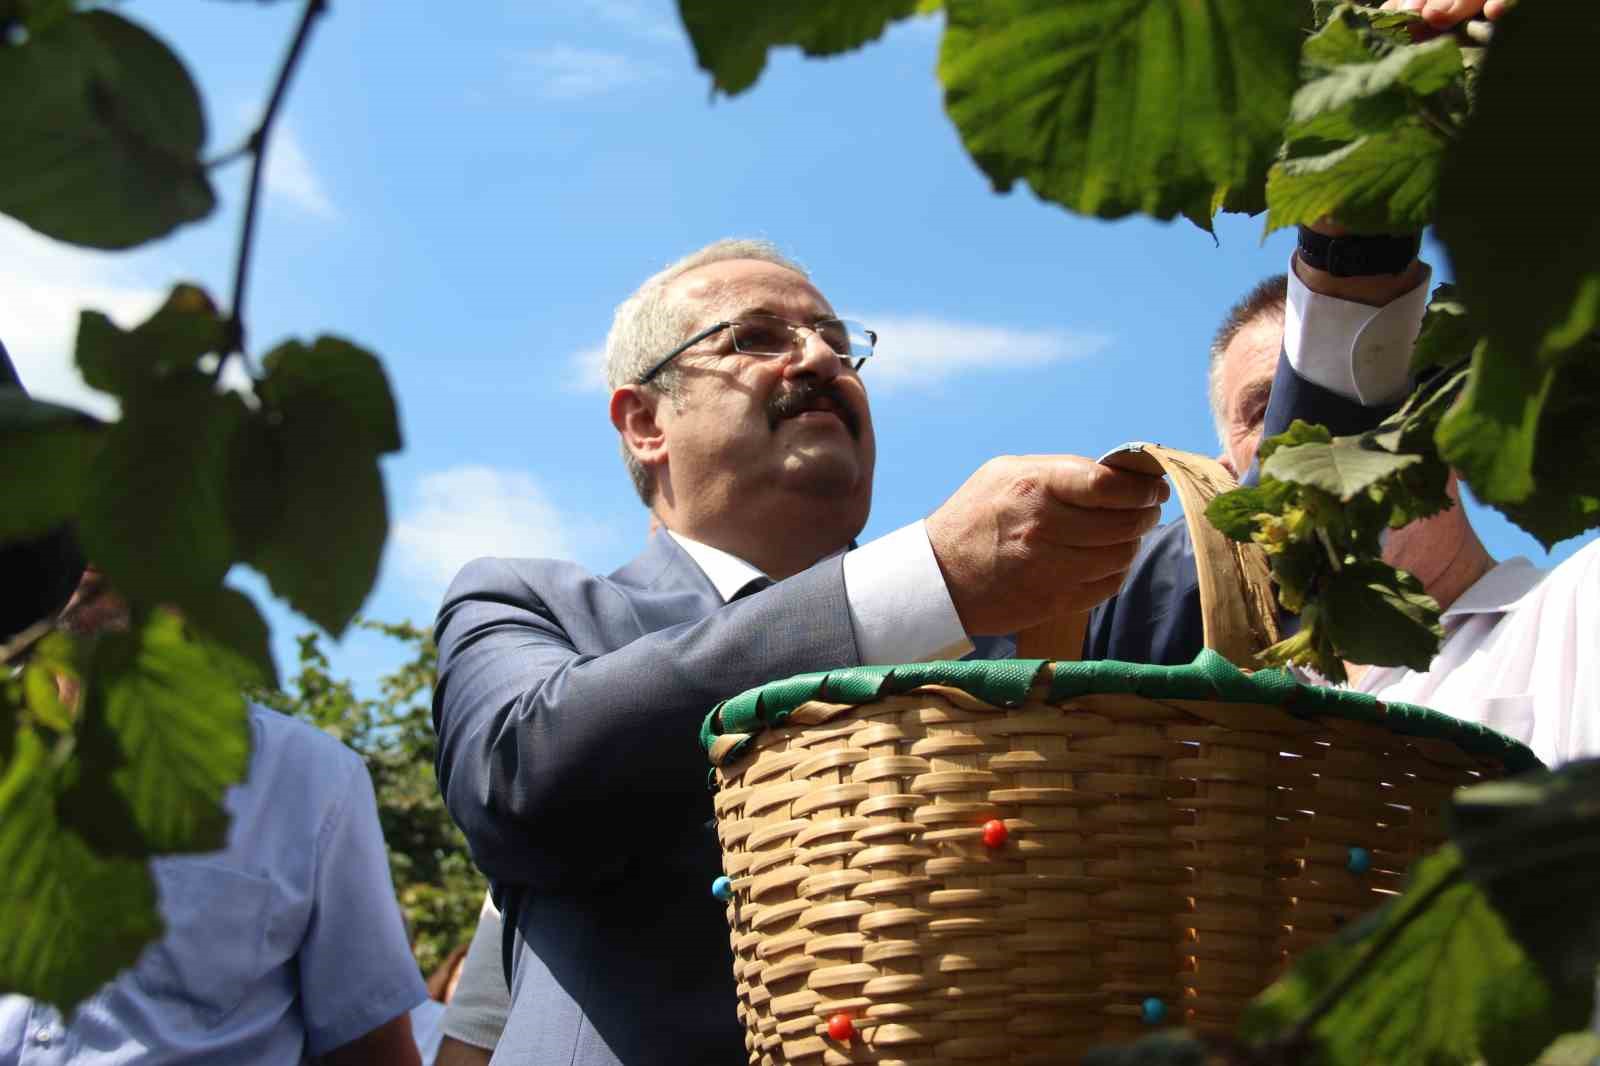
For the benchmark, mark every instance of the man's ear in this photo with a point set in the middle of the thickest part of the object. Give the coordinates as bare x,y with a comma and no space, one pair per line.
1227,464
633,413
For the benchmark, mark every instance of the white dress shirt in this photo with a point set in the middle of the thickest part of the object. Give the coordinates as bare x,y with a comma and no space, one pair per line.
1521,654
900,609
1361,352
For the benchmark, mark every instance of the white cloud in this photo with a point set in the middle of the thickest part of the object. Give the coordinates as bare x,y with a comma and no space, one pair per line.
565,72
635,19
922,350
586,369
289,175
471,511
43,287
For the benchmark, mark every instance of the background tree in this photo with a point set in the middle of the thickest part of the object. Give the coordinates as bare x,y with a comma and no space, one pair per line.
439,889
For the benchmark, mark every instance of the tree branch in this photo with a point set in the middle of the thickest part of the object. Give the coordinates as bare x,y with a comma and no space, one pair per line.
13,649
257,146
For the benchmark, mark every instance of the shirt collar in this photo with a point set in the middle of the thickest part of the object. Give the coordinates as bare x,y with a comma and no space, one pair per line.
1498,591
727,573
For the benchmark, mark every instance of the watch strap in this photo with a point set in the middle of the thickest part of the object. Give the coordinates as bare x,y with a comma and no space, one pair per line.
1358,256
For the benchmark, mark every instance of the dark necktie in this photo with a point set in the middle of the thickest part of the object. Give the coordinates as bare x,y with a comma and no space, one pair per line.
751,587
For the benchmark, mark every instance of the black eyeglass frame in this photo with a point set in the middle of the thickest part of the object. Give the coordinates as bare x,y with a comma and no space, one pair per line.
660,365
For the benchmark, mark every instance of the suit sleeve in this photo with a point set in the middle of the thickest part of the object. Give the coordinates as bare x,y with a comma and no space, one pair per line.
545,748
1155,617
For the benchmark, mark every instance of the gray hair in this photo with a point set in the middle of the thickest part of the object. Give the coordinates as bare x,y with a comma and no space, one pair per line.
1268,297
647,326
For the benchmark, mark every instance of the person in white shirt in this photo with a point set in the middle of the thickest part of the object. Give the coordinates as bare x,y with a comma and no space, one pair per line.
1522,645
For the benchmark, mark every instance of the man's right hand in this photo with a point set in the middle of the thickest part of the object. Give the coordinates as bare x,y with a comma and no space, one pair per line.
1030,538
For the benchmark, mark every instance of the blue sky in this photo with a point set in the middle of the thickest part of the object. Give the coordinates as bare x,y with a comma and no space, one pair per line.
468,190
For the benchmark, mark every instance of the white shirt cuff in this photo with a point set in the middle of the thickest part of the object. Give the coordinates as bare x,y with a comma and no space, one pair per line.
1362,353
899,606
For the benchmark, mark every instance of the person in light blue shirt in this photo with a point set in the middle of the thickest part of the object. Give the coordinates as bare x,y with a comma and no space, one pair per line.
285,946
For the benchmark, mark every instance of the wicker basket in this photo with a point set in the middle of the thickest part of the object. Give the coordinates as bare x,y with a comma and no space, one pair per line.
1172,836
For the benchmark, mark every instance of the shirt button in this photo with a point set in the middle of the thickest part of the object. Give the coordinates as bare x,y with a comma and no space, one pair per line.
43,1036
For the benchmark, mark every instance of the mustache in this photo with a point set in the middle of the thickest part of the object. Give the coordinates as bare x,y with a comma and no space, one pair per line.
795,399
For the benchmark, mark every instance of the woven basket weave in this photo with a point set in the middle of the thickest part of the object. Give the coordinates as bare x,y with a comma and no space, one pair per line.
1174,834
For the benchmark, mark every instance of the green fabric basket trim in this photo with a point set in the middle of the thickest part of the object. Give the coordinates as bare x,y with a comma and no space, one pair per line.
1002,682
1005,683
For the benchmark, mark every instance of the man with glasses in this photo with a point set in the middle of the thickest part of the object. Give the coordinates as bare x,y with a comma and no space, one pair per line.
568,703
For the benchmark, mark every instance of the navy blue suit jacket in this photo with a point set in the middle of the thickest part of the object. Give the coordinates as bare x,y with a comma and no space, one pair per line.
567,709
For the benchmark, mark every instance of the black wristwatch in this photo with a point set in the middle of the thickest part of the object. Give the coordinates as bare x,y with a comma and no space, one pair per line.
1357,256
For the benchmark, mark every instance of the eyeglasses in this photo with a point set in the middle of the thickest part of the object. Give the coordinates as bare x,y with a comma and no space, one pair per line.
769,335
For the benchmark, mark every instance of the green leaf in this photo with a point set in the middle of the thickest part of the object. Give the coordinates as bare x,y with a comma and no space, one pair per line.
1342,467
166,723
1564,500
1532,844
106,152
236,636
308,498
1234,512
1490,431
1379,615
731,37
1344,38
1364,133
1516,192
49,455
1123,106
1526,438
1158,1049
1299,432
155,515
1448,334
1423,1002
1572,1049
1376,183
69,921
1341,102
119,361
55,655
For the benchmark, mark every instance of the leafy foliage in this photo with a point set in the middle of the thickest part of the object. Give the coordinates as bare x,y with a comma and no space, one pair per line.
58,445
1123,105
1368,129
1533,845
1446,984
167,730
1318,514
1525,437
327,415
106,152
1530,266
85,797
731,37
120,746
439,889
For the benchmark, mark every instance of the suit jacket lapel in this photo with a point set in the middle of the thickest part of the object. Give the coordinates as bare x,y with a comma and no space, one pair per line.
665,586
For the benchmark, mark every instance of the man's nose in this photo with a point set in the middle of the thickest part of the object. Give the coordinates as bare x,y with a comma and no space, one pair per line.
814,356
